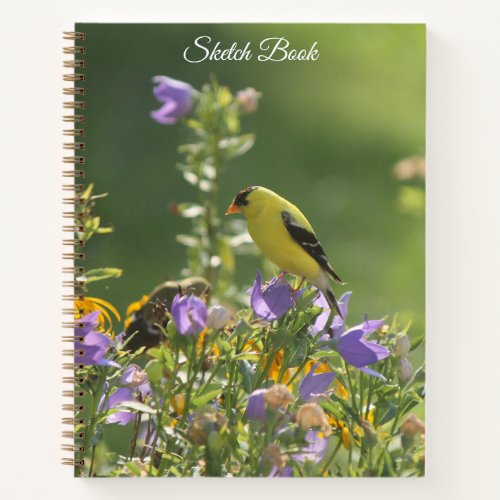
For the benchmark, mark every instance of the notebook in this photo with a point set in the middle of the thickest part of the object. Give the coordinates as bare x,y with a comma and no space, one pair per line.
245,208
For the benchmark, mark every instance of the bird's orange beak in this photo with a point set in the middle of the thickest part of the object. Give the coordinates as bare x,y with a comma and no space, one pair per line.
233,209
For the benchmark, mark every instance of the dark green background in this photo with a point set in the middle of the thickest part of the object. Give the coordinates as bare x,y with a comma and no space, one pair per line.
328,134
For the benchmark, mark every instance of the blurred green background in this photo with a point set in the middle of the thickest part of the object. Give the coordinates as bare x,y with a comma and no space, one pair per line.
328,132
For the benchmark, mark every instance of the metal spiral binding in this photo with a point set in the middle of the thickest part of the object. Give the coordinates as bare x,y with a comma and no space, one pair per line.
74,190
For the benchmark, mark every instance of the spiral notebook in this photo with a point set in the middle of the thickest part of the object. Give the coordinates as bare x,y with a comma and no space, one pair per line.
245,221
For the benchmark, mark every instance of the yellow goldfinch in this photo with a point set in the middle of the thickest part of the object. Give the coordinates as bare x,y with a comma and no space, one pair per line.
285,236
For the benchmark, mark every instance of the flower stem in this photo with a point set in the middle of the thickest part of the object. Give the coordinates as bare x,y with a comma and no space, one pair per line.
331,457
133,441
351,388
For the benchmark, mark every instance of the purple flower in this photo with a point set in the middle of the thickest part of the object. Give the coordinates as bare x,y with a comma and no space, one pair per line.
189,313
338,324
359,352
136,389
284,472
119,396
314,385
93,347
176,99
352,344
256,406
134,377
315,449
271,301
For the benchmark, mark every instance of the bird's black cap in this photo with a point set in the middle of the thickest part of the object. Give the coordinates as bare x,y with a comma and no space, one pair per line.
241,198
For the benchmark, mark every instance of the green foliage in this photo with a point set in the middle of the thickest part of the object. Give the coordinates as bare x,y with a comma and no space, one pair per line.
215,128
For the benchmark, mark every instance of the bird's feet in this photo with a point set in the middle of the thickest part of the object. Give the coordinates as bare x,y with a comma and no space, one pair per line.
295,290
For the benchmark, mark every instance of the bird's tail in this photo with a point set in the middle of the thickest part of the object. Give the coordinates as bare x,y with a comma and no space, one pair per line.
332,301
324,287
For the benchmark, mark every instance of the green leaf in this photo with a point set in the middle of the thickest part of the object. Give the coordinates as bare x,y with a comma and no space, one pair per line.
88,192
237,146
154,371
191,178
226,254
191,210
416,342
155,352
300,352
194,124
247,375
324,354
224,97
98,196
102,273
136,406
250,356
104,230
213,390
187,240
133,467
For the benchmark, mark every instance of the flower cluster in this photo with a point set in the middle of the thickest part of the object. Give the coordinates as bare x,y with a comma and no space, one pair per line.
295,389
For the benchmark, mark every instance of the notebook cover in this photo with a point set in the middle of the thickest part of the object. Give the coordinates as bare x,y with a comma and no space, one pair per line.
247,250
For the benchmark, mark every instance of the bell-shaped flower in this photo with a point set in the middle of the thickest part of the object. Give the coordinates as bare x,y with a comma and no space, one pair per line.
314,385
189,313
360,352
352,344
116,398
271,301
176,98
256,406
136,388
315,449
92,347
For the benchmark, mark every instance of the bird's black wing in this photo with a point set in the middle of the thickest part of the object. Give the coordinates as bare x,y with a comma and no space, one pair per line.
309,243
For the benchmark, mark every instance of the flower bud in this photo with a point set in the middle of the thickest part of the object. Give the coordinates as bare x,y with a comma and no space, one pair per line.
217,318
346,437
248,99
412,425
203,423
405,370
277,396
402,345
178,402
312,415
273,456
133,376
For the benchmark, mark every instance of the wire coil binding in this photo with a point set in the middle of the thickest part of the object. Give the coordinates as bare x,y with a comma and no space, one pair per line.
75,190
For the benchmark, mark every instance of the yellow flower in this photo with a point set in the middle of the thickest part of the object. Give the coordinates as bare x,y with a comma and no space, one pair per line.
133,308
346,433
91,304
346,437
321,367
369,417
340,389
275,368
177,403
213,353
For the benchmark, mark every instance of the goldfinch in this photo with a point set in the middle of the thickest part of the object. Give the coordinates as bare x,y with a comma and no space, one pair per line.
286,238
